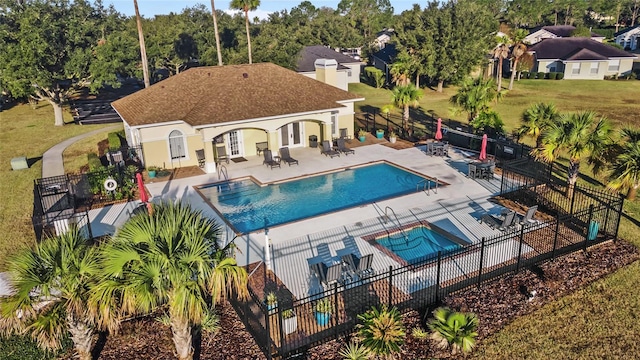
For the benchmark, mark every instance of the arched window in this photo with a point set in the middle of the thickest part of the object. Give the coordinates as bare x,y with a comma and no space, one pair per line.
177,146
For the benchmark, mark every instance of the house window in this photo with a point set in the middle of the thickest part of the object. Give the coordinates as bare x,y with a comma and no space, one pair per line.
594,68
349,73
614,65
551,67
177,145
575,69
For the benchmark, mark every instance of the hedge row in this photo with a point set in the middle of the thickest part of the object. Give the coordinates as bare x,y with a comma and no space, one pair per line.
542,75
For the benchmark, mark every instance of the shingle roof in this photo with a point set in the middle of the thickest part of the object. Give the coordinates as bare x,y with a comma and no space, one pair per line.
219,94
563,48
623,31
561,30
310,54
584,54
387,54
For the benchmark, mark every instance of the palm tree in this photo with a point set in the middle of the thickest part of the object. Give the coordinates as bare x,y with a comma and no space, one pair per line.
215,29
402,68
501,52
625,173
246,6
580,135
475,95
52,284
170,258
403,97
490,122
381,331
454,329
519,49
143,48
536,118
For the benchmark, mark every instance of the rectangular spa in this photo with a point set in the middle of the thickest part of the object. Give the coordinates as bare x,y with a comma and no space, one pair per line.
249,207
417,244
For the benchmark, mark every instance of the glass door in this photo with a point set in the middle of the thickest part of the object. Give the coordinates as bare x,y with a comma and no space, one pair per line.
291,135
234,141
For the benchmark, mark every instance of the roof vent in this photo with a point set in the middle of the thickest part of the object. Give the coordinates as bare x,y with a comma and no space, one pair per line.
245,75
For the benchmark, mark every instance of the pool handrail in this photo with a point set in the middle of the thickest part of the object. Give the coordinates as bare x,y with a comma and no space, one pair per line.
399,225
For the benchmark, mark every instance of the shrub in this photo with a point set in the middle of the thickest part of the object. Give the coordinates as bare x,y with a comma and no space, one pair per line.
525,75
540,75
454,329
550,75
560,76
381,331
94,162
114,139
375,76
354,351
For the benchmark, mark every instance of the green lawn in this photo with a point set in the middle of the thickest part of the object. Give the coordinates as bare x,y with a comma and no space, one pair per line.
618,100
25,132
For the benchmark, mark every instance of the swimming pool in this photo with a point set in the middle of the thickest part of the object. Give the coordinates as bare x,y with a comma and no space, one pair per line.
249,207
419,244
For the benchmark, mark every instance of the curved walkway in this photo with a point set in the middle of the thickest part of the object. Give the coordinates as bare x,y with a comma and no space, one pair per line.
52,162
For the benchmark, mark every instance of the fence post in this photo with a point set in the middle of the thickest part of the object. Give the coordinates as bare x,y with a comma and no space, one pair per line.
481,261
281,327
586,236
390,284
438,277
555,238
334,318
520,248
606,219
268,328
619,217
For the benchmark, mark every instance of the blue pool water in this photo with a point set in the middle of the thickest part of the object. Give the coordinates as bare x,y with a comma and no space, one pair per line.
419,244
249,207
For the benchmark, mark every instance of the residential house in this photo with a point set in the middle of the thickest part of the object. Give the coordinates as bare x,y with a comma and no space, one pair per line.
580,58
553,32
383,38
383,59
348,68
233,108
628,38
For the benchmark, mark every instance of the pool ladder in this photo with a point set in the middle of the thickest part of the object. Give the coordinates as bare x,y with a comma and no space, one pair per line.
386,217
426,185
222,170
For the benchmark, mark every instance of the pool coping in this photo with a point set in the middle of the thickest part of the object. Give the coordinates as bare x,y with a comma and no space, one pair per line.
294,178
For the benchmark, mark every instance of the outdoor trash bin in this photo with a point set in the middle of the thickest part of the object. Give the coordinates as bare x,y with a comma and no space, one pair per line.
313,141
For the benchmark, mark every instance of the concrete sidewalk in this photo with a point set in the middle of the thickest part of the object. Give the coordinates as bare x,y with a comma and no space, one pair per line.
52,163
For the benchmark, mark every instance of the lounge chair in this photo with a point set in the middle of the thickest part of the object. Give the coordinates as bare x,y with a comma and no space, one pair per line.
200,157
527,219
269,160
364,267
327,150
343,148
318,269
324,253
286,157
333,275
503,223
221,154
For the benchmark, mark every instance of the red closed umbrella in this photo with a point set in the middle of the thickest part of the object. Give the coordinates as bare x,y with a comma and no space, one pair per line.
143,194
483,148
439,130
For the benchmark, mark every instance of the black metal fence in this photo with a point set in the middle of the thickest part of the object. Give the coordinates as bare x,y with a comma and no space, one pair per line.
586,218
503,148
67,197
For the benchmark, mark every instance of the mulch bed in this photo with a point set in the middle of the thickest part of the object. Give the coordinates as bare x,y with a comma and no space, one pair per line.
496,303
499,302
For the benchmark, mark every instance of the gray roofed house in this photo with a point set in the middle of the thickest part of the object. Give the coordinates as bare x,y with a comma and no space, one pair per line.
628,38
348,70
580,58
556,31
383,59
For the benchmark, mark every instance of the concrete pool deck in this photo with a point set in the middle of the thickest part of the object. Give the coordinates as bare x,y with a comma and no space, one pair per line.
447,169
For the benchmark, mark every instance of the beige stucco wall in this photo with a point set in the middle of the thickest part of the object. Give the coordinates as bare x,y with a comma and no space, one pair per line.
355,72
250,138
155,142
585,71
626,66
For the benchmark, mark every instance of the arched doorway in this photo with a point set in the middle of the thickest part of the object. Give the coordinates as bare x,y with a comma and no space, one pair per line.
292,134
